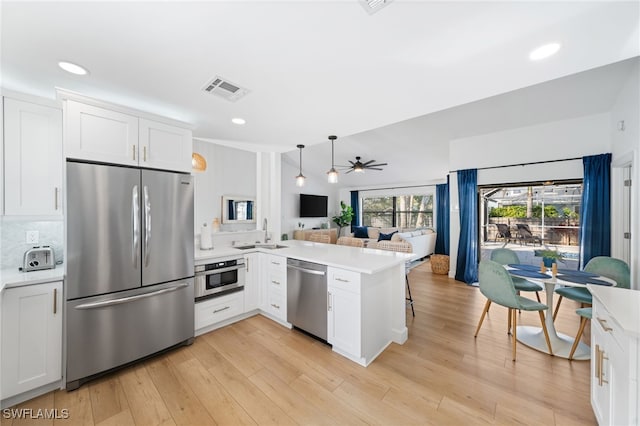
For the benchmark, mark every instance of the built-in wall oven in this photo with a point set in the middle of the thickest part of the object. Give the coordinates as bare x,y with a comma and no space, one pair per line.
219,278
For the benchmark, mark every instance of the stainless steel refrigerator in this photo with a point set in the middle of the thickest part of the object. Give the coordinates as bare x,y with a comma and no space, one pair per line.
129,276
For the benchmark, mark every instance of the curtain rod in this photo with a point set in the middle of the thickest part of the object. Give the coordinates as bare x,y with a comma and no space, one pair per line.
523,164
396,187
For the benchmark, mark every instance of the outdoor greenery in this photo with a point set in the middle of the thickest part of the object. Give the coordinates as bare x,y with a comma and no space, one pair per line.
521,211
406,211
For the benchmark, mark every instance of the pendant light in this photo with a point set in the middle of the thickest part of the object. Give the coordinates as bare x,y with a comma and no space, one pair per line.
300,178
198,162
332,174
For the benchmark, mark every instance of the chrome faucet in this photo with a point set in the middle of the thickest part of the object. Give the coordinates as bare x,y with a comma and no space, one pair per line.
266,233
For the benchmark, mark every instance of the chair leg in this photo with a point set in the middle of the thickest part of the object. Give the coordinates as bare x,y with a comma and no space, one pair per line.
546,332
410,298
514,333
583,322
555,313
509,322
484,312
538,297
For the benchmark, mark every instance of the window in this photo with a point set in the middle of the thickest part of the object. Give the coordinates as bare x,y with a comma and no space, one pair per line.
405,211
550,211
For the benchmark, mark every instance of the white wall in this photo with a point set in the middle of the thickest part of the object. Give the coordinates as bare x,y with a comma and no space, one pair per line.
626,151
556,140
229,171
315,185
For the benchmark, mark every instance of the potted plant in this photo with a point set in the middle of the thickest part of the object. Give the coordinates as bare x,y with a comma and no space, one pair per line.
344,218
549,257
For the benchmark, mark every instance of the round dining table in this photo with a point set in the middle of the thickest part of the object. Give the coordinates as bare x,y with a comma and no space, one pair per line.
534,336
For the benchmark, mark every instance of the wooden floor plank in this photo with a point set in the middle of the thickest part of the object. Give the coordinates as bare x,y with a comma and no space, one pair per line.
181,401
147,406
219,403
107,398
78,403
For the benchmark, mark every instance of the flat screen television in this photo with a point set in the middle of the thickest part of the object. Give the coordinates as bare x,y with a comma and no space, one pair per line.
313,205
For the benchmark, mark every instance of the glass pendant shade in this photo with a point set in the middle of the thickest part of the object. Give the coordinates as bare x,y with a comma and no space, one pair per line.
198,163
332,174
300,178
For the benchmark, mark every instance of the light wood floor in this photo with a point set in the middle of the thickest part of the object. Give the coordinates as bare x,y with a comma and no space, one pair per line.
257,372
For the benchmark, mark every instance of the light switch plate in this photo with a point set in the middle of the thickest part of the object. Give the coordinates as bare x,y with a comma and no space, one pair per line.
33,237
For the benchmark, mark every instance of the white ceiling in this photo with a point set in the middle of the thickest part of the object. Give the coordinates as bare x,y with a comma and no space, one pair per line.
314,68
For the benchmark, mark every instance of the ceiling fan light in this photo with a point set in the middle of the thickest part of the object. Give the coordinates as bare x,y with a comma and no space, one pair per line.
332,175
358,168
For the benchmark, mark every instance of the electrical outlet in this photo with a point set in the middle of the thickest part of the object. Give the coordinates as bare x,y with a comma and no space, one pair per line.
33,237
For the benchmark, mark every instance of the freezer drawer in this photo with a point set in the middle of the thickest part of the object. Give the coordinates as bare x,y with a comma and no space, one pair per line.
104,332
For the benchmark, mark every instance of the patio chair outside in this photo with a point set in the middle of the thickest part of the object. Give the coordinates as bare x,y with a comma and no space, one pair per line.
503,232
525,235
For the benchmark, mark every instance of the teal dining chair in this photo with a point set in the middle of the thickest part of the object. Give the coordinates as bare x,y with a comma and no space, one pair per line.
585,314
497,286
605,266
505,256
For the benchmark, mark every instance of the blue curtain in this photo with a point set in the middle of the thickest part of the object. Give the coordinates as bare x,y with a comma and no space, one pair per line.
595,213
442,215
231,210
467,261
356,209
249,210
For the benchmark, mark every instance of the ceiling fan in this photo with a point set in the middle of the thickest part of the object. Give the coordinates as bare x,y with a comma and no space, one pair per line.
359,167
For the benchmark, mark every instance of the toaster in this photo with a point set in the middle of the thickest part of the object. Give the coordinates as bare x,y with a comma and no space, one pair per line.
38,258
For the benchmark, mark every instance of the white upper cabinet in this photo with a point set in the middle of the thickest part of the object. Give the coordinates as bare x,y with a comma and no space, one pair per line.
162,146
98,134
32,158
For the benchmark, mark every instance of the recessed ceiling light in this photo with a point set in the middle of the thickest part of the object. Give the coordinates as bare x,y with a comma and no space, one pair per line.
73,68
239,121
544,51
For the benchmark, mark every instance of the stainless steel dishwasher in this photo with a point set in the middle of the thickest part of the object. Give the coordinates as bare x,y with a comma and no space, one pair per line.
307,297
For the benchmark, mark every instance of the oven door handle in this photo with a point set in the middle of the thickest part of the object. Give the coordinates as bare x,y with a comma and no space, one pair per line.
221,270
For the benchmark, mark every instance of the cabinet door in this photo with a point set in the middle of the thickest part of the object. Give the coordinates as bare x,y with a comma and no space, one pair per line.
98,134
33,158
343,320
31,337
251,285
165,147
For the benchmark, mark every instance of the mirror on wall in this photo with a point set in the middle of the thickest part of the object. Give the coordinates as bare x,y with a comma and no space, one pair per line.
238,209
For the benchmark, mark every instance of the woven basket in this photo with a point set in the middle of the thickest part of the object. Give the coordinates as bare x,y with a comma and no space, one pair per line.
440,264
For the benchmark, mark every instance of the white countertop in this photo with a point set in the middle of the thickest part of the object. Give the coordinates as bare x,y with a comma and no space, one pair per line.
623,305
368,261
15,278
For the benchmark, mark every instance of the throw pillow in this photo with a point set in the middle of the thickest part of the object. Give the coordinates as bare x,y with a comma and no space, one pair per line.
360,232
387,237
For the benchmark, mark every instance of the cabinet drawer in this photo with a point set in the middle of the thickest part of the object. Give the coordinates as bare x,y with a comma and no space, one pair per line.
606,325
278,264
277,280
343,279
277,304
219,309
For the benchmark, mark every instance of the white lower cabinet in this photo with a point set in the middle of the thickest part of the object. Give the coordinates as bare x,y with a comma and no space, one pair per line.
31,337
614,369
215,310
276,287
251,282
344,312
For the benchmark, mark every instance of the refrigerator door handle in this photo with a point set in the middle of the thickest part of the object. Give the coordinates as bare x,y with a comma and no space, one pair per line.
135,224
106,303
147,225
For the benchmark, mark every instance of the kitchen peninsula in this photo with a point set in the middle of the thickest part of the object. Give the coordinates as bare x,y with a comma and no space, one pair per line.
365,298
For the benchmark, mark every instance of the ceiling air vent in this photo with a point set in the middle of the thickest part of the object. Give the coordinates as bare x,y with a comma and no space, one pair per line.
225,89
372,6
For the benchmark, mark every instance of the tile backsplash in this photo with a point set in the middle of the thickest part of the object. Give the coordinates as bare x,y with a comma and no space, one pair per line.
13,234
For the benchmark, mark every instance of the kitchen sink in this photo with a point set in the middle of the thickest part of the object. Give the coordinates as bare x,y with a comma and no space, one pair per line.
261,245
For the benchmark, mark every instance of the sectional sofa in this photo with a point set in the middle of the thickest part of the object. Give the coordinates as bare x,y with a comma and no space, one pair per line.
423,241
